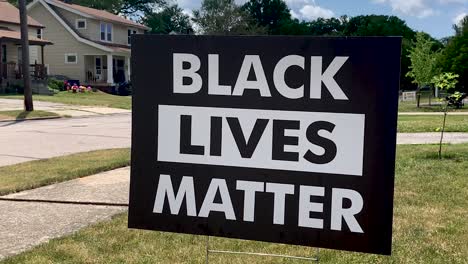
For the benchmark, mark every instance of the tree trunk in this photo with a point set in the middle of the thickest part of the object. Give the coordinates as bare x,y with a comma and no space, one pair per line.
418,96
28,100
430,96
443,130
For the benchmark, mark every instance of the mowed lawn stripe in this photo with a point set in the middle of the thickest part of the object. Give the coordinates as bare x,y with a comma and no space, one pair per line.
33,174
23,115
431,123
99,99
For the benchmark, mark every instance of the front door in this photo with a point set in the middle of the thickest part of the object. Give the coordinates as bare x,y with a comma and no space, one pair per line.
119,70
98,68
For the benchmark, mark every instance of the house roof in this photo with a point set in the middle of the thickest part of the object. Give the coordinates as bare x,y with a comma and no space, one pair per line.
98,14
15,36
10,14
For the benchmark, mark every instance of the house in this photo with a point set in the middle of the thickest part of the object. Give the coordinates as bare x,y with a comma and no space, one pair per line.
10,49
90,45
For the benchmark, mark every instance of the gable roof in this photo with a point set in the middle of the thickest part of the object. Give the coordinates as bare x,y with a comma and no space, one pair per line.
15,36
10,14
79,38
96,13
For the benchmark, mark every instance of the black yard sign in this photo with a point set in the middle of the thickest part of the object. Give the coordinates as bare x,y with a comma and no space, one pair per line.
280,139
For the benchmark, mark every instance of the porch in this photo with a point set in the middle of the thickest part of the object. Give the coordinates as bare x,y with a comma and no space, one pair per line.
106,70
11,70
14,71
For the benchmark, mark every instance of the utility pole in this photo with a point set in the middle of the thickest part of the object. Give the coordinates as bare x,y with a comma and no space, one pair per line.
28,100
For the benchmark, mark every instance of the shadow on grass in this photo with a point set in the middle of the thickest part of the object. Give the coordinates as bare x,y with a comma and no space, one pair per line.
445,156
23,115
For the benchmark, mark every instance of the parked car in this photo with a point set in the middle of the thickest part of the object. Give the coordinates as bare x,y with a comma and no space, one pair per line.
456,102
124,89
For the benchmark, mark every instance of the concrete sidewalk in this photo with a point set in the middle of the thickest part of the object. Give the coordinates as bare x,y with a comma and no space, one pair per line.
431,138
61,109
35,218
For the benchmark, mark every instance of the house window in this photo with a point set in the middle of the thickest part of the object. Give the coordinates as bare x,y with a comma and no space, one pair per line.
130,33
81,24
39,33
98,66
71,58
106,32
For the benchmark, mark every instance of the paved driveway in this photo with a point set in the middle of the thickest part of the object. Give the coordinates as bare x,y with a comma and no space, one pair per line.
32,140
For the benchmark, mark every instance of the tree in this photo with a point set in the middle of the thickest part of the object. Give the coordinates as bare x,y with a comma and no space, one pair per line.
446,81
16,2
269,14
454,57
224,17
293,27
423,62
462,27
327,26
28,100
131,8
170,19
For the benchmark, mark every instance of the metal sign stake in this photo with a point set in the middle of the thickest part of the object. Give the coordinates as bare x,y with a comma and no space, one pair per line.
208,251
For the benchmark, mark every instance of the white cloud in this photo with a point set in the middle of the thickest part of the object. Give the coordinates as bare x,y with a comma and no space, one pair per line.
294,14
418,8
311,12
308,9
188,12
300,9
453,1
458,18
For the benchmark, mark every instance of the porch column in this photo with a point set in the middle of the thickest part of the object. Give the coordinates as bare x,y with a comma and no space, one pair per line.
1,62
110,70
129,65
42,55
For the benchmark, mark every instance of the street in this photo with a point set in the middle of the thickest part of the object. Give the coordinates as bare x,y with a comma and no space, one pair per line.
34,140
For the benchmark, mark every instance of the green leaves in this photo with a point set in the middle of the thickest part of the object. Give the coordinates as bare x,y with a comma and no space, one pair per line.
269,14
224,17
171,19
446,81
423,60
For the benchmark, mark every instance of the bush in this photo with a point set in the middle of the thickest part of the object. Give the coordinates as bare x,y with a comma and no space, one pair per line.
55,85
18,88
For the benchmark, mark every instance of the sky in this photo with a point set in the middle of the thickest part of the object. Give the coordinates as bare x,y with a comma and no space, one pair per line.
435,17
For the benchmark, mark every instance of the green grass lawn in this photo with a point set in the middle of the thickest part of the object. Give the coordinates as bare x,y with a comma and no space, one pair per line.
420,123
33,174
23,115
411,107
430,227
88,99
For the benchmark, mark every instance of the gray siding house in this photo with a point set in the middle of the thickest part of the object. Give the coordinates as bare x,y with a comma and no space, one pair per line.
90,45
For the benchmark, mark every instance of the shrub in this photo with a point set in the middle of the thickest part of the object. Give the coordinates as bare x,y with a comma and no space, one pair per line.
55,84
